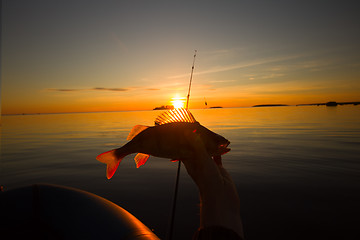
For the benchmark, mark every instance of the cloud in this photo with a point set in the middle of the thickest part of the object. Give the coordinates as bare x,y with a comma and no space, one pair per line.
120,44
62,90
220,53
217,69
110,89
87,89
222,81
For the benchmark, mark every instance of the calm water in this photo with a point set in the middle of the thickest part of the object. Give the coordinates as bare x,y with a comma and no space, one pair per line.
296,168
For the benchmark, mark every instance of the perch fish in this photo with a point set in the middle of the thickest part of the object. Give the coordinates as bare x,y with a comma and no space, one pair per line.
167,139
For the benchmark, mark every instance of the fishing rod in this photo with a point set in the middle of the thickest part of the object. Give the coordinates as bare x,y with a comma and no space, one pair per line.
191,76
169,237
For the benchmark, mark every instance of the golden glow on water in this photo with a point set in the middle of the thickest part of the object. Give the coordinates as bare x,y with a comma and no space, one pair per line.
220,118
236,124
280,143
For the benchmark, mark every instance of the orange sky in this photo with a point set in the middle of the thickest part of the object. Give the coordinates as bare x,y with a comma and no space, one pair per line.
137,57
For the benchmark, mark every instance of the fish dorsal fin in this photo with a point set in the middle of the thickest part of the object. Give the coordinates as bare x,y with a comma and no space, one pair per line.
135,131
175,115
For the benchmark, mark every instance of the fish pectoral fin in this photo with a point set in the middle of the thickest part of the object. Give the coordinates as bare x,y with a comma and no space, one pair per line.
135,131
140,159
112,162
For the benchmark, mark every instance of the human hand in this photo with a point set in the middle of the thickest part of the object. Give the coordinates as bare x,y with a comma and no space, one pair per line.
220,204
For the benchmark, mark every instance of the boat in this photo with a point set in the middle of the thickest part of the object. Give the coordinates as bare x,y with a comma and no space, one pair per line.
44,211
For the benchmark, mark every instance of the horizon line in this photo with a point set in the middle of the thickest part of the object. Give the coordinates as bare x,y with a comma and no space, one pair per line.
269,105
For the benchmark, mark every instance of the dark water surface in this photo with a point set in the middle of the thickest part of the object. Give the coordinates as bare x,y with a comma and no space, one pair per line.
297,169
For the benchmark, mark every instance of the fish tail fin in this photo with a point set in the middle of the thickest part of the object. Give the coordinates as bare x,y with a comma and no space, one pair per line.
111,160
140,159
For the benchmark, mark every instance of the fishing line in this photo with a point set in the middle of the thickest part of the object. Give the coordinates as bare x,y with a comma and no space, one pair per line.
170,233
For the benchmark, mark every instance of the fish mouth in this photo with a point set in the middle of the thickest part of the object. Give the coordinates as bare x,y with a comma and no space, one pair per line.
223,148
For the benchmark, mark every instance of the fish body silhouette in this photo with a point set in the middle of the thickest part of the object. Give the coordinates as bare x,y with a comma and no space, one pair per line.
167,139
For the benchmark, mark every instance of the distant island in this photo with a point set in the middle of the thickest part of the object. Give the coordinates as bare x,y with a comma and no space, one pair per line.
330,104
164,107
270,105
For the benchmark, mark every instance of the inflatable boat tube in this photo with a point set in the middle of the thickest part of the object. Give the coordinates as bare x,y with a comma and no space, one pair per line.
44,211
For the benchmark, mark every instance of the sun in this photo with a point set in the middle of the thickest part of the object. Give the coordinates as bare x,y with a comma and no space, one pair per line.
178,102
